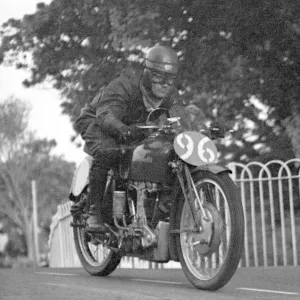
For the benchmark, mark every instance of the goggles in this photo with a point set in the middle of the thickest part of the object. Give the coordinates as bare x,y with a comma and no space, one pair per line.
162,78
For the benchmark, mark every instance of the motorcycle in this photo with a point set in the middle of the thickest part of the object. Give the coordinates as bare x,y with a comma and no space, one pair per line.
167,199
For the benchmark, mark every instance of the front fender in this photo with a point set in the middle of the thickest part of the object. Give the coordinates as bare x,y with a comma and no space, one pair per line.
213,168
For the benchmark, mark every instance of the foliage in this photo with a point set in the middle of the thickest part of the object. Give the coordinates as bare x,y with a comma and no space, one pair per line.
52,175
292,124
28,159
13,121
230,51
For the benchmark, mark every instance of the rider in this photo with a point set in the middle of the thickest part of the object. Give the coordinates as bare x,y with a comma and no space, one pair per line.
112,117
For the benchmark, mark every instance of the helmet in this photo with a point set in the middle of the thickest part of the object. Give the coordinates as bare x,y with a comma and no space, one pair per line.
162,59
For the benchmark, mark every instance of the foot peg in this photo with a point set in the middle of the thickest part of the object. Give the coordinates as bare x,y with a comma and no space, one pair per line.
76,210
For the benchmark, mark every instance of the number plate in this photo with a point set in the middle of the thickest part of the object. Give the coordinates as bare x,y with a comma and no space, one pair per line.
195,148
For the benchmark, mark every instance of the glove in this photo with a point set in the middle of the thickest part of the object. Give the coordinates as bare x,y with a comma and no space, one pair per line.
131,133
217,130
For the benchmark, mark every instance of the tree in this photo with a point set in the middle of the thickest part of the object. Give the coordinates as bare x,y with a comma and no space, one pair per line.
24,158
230,51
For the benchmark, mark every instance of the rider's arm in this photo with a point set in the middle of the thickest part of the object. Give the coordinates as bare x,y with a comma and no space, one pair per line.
87,115
111,107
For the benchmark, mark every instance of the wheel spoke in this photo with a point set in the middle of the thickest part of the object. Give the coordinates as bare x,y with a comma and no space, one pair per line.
96,251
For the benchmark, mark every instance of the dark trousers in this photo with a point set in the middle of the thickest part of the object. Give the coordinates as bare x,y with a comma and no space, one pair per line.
105,154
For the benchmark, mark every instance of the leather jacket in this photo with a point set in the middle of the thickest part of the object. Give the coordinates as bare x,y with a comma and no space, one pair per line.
118,105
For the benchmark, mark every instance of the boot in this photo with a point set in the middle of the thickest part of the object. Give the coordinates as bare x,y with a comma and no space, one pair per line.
77,208
95,220
98,178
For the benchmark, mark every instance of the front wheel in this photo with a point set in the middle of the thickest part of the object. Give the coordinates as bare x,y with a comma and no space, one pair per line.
97,259
210,256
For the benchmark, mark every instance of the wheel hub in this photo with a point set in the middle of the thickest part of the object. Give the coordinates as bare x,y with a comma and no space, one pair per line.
208,240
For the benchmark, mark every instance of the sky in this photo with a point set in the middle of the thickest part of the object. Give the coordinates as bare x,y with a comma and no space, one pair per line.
45,117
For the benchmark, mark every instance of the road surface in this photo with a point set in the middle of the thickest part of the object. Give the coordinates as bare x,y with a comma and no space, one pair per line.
127,284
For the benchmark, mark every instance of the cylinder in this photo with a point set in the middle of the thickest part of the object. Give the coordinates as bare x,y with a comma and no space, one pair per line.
119,203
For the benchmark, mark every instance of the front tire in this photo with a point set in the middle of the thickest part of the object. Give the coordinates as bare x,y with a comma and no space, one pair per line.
210,258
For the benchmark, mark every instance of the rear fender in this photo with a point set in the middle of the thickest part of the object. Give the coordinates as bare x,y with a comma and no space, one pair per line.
80,178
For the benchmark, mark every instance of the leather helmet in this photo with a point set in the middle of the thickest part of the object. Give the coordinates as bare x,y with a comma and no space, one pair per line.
163,59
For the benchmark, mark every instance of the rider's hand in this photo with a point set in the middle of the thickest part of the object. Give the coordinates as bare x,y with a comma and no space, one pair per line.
217,130
132,133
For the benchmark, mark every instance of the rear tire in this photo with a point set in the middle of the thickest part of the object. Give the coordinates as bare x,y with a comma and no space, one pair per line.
97,260
210,266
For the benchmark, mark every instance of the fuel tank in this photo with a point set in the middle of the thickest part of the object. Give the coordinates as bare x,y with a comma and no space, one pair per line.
149,161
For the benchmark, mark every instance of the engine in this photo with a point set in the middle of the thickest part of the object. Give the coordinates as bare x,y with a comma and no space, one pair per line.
145,212
155,198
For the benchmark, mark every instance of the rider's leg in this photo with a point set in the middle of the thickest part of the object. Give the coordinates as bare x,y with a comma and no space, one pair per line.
103,159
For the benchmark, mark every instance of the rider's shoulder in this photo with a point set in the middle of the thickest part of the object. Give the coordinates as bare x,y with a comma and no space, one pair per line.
128,78
132,74
132,70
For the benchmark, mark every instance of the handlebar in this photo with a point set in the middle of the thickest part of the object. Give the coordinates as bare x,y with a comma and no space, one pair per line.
173,125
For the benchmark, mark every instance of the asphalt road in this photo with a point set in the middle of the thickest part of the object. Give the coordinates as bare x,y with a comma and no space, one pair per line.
123,284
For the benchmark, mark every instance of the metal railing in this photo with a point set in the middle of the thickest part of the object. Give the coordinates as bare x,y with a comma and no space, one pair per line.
270,194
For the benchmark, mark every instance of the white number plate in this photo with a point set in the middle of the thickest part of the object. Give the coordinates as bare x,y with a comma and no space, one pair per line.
195,148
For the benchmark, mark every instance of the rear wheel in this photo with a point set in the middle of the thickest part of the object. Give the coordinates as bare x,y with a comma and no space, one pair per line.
97,259
210,257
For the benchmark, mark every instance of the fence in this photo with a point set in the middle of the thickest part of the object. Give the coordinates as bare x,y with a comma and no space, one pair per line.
271,200
270,194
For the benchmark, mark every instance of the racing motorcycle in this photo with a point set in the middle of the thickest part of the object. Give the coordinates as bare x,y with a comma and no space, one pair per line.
167,199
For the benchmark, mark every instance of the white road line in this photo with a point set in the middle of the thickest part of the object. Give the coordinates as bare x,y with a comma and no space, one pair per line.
268,291
58,274
157,281
56,284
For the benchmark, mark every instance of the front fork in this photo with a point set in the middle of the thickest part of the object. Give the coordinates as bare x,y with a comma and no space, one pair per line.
182,171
